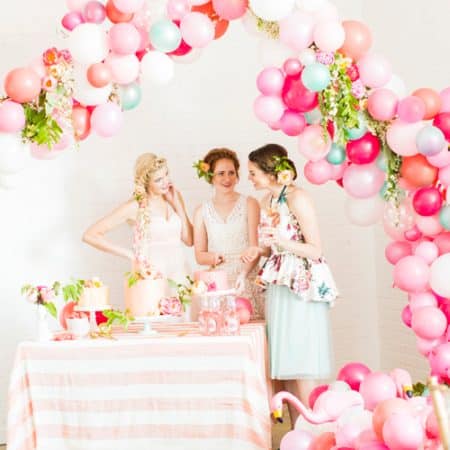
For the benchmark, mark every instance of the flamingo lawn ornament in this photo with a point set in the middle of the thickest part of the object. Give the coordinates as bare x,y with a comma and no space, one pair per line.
327,408
403,383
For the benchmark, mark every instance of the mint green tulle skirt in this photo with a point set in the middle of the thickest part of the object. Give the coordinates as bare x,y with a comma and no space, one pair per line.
299,336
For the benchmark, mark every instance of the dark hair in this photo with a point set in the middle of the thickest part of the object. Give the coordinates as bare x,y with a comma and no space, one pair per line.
216,154
265,158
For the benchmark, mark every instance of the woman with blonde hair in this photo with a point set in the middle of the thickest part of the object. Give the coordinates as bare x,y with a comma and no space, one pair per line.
158,214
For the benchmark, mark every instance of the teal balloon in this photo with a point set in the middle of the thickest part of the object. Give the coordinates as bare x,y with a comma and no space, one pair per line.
382,162
130,96
359,131
336,155
444,217
313,117
165,36
383,189
316,77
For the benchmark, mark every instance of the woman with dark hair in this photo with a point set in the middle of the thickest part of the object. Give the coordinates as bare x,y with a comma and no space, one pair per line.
299,286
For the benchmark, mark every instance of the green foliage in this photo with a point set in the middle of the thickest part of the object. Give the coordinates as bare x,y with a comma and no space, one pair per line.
184,291
116,316
133,278
203,170
51,308
73,291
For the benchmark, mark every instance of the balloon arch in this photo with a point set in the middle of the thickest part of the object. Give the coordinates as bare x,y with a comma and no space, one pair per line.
352,118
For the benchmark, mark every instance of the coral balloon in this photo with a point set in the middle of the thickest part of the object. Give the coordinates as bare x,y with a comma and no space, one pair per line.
431,100
363,150
115,15
411,274
81,121
324,441
22,85
296,96
358,39
417,171
443,242
99,75
353,374
427,201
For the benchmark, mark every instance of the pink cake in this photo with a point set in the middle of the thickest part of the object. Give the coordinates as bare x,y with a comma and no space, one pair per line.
216,280
94,298
142,299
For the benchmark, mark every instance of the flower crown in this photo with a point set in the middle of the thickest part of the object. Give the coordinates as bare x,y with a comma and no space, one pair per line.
203,170
284,170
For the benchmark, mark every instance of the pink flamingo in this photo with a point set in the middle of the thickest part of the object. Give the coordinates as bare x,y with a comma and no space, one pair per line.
403,383
327,408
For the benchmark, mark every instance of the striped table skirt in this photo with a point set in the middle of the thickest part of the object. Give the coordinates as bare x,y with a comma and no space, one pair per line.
174,390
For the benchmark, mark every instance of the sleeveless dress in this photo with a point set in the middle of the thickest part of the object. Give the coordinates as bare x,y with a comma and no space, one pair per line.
230,237
299,292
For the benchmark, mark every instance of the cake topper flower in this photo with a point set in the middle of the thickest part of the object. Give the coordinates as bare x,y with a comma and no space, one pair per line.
203,170
284,170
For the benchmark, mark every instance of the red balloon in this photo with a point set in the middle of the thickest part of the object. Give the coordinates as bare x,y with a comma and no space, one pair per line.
296,96
315,394
427,201
442,121
353,374
22,85
363,150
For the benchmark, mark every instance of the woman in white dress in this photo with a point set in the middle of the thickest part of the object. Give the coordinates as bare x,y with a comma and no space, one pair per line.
226,225
158,215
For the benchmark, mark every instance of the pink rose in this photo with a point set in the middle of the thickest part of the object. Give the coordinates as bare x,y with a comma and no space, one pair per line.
170,306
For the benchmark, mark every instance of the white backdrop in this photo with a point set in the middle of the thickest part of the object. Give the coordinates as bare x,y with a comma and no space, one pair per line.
208,104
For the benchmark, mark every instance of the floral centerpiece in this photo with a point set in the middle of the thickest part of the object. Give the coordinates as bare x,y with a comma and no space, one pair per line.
145,271
42,295
184,293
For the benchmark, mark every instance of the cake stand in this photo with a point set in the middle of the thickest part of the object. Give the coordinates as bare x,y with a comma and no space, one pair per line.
148,320
91,310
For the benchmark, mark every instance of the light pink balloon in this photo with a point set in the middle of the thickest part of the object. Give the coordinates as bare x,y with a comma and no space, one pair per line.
441,159
422,299
402,431
428,251
429,322
363,180
71,20
338,170
374,70
76,5
268,109
296,440
445,98
329,35
396,250
230,10
318,172
12,117
401,137
177,9
312,144
292,66
382,104
426,346
444,175
443,242
38,66
270,81
346,435
440,360
429,225
94,12
292,123
197,30
411,274
107,119
124,38
411,109
376,387
296,30
124,68
128,6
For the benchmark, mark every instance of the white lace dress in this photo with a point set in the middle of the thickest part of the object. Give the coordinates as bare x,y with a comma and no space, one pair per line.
230,237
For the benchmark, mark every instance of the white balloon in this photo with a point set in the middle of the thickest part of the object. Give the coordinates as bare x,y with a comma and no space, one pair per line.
364,211
157,67
85,93
396,85
273,53
440,275
14,154
88,43
272,10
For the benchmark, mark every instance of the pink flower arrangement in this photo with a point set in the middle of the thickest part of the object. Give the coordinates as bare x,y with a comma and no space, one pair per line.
170,306
42,295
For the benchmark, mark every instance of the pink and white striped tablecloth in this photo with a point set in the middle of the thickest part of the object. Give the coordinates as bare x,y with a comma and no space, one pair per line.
177,390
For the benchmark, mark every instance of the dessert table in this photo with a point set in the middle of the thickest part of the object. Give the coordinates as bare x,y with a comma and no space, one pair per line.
173,390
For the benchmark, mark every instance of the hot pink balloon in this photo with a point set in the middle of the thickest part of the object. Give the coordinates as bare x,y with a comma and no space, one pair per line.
318,172
411,109
270,81
107,119
312,144
411,274
268,109
296,96
94,12
71,20
230,9
376,387
363,150
292,123
363,181
22,85
353,374
429,322
442,121
197,29
124,38
12,117
402,431
407,316
374,70
429,251
128,6
396,250
382,104
427,201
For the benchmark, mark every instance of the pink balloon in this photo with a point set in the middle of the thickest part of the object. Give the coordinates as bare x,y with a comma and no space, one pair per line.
346,435
427,201
292,123
12,117
440,360
429,251
363,150
413,234
363,181
292,66
374,70
268,109
426,346
128,6
124,38
99,75
338,170
315,393
197,30
443,242
312,144
296,440
353,374
401,137
244,303
296,30
22,85
431,426
411,109
441,159
429,225
230,9
71,20
422,299
270,81
411,274
177,9
445,98
107,119
296,96
376,387
124,68
407,316
429,322
402,431
382,104
397,250
318,172
329,35
444,175
94,12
